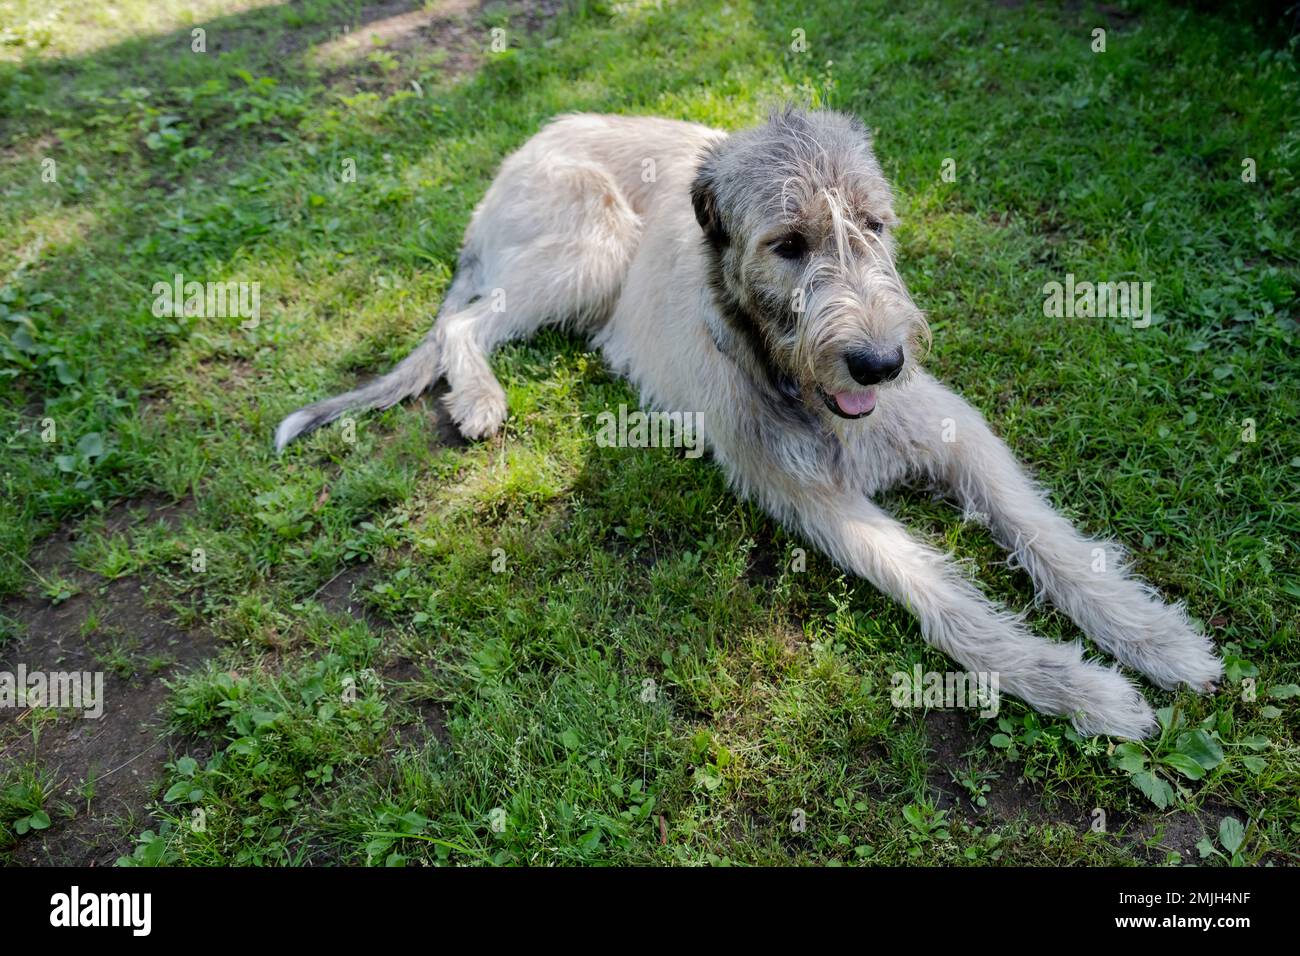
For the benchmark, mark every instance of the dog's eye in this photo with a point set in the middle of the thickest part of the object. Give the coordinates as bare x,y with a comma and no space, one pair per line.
876,226
792,246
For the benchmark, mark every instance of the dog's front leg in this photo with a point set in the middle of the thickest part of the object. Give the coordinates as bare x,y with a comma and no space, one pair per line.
1082,576
957,619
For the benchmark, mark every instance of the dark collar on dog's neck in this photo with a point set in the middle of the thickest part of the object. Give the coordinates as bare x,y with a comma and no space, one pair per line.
783,385
742,332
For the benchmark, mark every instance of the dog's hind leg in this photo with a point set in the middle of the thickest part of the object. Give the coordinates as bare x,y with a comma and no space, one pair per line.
957,619
555,251
550,243
1084,577
477,402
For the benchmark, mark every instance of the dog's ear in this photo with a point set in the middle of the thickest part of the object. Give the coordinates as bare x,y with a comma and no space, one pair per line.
705,200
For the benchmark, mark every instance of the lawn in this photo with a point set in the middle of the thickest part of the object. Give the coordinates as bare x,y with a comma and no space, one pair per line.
391,646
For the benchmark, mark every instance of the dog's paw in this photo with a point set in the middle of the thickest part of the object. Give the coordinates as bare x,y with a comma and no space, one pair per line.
1197,666
478,414
1160,642
1109,705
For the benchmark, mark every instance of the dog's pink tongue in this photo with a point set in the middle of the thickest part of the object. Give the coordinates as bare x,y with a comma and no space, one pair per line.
856,403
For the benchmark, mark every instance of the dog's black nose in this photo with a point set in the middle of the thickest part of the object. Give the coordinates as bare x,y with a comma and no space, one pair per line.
869,367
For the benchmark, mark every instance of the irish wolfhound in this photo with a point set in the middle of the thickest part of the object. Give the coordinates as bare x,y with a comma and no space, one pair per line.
750,278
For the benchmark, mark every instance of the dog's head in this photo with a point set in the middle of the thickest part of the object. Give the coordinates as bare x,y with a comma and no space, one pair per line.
796,216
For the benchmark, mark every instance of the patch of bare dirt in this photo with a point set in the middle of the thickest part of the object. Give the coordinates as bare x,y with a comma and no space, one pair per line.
39,147
103,769
1156,835
460,31
766,562
341,595
396,26
405,678
1150,836
1007,800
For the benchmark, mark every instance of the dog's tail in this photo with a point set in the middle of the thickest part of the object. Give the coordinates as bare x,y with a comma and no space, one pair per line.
412,376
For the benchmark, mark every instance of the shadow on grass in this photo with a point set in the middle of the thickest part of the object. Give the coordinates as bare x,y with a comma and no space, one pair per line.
168,161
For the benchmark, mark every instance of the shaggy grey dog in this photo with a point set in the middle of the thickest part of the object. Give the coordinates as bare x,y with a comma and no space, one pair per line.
750,278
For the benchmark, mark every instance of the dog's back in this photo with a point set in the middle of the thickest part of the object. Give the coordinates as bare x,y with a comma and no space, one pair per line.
637,152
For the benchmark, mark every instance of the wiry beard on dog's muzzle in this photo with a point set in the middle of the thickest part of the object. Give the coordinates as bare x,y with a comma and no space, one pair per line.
852,307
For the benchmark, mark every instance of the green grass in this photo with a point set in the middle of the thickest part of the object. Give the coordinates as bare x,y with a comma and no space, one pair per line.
24,802
646,680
